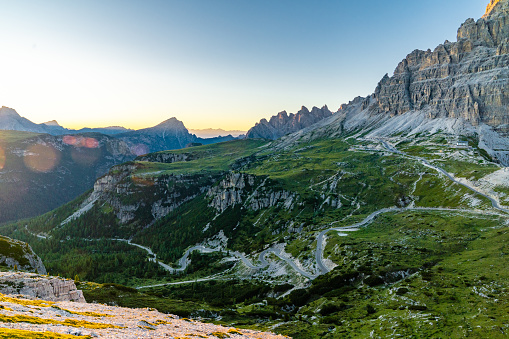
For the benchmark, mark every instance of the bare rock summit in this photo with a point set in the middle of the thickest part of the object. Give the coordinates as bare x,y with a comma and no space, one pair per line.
284,123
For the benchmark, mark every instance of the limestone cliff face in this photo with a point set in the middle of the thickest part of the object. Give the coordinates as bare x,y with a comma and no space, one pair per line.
249,191
138,198
284,123
464,79
40,287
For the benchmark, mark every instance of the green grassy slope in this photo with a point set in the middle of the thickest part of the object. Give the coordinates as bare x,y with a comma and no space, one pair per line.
396,276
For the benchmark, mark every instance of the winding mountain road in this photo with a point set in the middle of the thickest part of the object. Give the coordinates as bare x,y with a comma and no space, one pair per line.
423,161
320,247
184,262
321,237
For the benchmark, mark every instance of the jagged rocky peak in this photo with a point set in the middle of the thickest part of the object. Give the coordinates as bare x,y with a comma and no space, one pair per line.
284,123
8,112
491,30
465,79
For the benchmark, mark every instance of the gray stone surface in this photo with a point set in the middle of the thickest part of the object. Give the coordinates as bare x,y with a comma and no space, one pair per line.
465,79
40,287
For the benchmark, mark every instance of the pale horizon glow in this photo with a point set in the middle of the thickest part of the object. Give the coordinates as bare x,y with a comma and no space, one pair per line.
223,64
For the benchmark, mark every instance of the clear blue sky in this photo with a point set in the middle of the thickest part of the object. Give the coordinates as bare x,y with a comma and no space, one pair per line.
210,63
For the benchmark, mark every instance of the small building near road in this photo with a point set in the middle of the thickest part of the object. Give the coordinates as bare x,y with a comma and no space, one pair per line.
462,144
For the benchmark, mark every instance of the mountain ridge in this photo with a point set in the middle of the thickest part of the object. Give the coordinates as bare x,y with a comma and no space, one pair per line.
459,87
284,123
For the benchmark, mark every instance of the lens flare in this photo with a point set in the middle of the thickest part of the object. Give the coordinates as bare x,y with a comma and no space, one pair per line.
41,158
80,141
69,140
85,156
140,149
2,158
91,143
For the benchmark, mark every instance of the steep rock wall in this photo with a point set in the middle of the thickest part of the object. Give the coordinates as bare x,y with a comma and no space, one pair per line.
465,79
252,192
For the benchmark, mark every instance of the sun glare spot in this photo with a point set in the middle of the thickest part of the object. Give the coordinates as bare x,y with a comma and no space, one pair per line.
69,140
85,156
41,158
140,149
91,143
80,141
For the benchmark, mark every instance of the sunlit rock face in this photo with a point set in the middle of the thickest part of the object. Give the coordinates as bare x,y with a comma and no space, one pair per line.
491,6
464,79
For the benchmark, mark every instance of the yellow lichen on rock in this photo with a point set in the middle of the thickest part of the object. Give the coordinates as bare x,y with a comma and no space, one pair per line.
67,322
23,334
220,335
67,319
25,302
234,331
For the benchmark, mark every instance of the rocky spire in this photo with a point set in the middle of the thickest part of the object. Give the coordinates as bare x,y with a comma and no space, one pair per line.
284,123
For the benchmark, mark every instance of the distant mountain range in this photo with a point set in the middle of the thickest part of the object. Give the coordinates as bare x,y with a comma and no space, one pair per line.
169,134
43,166
12,121
215,132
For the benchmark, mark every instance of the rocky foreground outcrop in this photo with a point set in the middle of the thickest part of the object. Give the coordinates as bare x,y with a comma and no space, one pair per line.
40,287
27,318
284,123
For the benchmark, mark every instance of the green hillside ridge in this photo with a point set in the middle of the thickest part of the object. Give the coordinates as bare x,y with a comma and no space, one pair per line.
33,166
15,254
437,220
